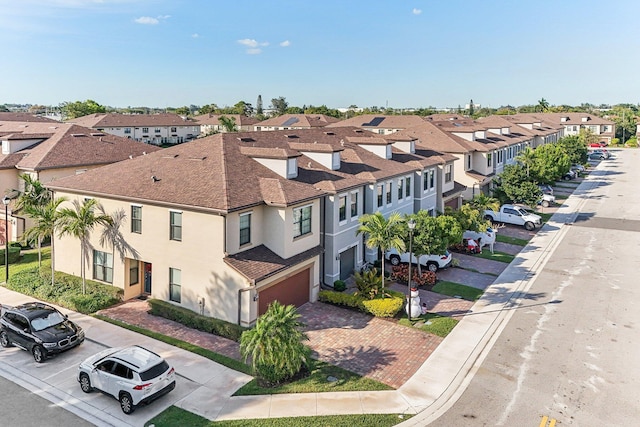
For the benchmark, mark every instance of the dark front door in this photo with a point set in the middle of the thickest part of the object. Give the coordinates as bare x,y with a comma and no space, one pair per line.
347,263
147,278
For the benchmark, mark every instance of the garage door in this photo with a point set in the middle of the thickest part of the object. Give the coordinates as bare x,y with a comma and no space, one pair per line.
293,290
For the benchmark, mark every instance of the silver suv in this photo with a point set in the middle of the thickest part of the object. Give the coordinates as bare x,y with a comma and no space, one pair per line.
133,375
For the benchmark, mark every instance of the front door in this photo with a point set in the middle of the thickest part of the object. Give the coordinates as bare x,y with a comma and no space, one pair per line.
347,263
147,278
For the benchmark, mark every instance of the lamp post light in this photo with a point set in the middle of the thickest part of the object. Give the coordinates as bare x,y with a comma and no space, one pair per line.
411,224
6,201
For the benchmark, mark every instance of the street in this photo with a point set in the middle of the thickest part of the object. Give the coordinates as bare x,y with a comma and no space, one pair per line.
568,354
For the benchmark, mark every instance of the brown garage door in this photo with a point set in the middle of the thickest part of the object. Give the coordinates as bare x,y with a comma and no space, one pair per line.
291,291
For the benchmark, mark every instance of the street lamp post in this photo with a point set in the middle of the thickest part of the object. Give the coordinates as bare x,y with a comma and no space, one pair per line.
411,224
6,201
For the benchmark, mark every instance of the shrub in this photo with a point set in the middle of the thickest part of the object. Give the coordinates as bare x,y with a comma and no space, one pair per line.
14,254
369,283
339,286
194,320
339,298
384,307
401,273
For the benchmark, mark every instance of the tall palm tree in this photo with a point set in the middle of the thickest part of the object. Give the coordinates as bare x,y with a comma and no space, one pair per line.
228,123
275,345
544,105
79,222
527,158
47,218
382,233
34,194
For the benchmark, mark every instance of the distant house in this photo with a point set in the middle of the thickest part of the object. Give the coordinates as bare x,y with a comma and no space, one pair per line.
24,117
210,123
156,129
295,121
381,124
49,150
573,122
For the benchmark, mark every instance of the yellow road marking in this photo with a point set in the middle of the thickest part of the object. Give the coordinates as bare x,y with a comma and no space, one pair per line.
552,423
543,421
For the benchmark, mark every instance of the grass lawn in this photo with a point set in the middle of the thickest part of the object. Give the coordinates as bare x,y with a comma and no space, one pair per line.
174,416
496,256
511,240
452,289
433,323
29,259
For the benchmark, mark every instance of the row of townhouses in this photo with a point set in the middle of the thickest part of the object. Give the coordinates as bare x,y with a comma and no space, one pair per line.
226,224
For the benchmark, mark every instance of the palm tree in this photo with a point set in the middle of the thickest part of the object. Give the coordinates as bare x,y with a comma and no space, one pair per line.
228,123
527,157
275,345
482,202
47,217
34,194
382,233
79,223
543,104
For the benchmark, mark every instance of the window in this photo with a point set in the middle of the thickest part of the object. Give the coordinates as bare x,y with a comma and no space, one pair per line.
425,180
145,130
488,159
127,131
468,161
175,279
407,187
432,176
354,205
174,129
136,219
380,191
134,272
103,266
447,173
158,130
400,187
301,221
389,193
342,213
245,229
175,226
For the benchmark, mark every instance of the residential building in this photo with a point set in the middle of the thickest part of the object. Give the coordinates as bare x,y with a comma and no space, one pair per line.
156,129
381,124
210,123
573,122
295,121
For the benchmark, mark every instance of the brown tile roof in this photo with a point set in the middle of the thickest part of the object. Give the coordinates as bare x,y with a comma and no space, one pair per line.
104,120
380,121
431,136
24,117
304,121
214,119
66,145
259,263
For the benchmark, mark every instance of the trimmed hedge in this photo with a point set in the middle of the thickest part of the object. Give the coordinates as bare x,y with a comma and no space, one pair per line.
379,307
194,320
67,291
383,307
14,254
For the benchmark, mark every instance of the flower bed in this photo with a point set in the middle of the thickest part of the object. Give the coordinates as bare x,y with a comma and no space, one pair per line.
400,273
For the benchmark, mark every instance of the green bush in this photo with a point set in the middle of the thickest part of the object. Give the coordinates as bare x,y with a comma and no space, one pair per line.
14,254
194,320
67,291
339,298
339,286
384,307
632,142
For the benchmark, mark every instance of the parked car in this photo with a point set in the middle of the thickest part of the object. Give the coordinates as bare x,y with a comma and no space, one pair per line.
547,200
39,329
599,155
546,189
432,262
569,175
516,215
598,144
578,169
133,375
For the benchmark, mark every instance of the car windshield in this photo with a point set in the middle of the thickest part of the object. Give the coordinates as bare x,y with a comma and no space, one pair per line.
154,371
46,321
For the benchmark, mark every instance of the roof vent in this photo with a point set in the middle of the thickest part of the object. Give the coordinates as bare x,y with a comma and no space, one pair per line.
329,133
78,134
155,178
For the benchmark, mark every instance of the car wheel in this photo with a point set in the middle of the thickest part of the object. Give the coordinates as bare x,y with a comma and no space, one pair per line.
38,354
545,203
85,383
126,403
529,226
432,266
488,217
4,339
394,260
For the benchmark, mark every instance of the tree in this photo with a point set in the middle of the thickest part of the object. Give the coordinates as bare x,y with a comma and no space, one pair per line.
471,109
575,149
35,195
259,111
382,233
208,109
47,218
551,162
481,203
183,111
432,235
526,157
228,123
79,222
543,105
243,108
274,346
279,105
514,186
72,110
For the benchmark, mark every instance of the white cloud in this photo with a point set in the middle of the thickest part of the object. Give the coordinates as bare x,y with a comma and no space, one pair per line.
146,20
195,35
254,51
253,46
285,43
416,11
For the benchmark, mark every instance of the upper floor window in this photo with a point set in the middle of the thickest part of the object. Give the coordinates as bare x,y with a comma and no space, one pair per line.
301,221
380,191
103,266
488,159
432,178
174,129
354,205
468,161
157,130
448,173
400,187
407,187
245,228
342,213
175,285
388,193
175,225
145,130
425,180
127,130
136,219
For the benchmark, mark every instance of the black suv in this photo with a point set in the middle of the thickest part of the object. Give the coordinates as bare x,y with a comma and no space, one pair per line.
38,328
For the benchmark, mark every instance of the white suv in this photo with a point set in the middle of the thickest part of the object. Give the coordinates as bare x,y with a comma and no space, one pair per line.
133,375
432,262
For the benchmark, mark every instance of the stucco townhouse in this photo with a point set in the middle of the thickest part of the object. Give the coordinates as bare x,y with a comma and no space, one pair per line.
49,150
156,129
227,224
381,124
210,123
573,122
295,121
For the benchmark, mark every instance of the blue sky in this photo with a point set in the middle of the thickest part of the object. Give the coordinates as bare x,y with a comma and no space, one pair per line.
396,53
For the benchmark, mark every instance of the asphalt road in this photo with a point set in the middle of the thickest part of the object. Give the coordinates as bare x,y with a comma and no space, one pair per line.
569,353
22,408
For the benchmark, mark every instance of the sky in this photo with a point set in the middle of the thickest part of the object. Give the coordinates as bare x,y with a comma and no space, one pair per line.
338,53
